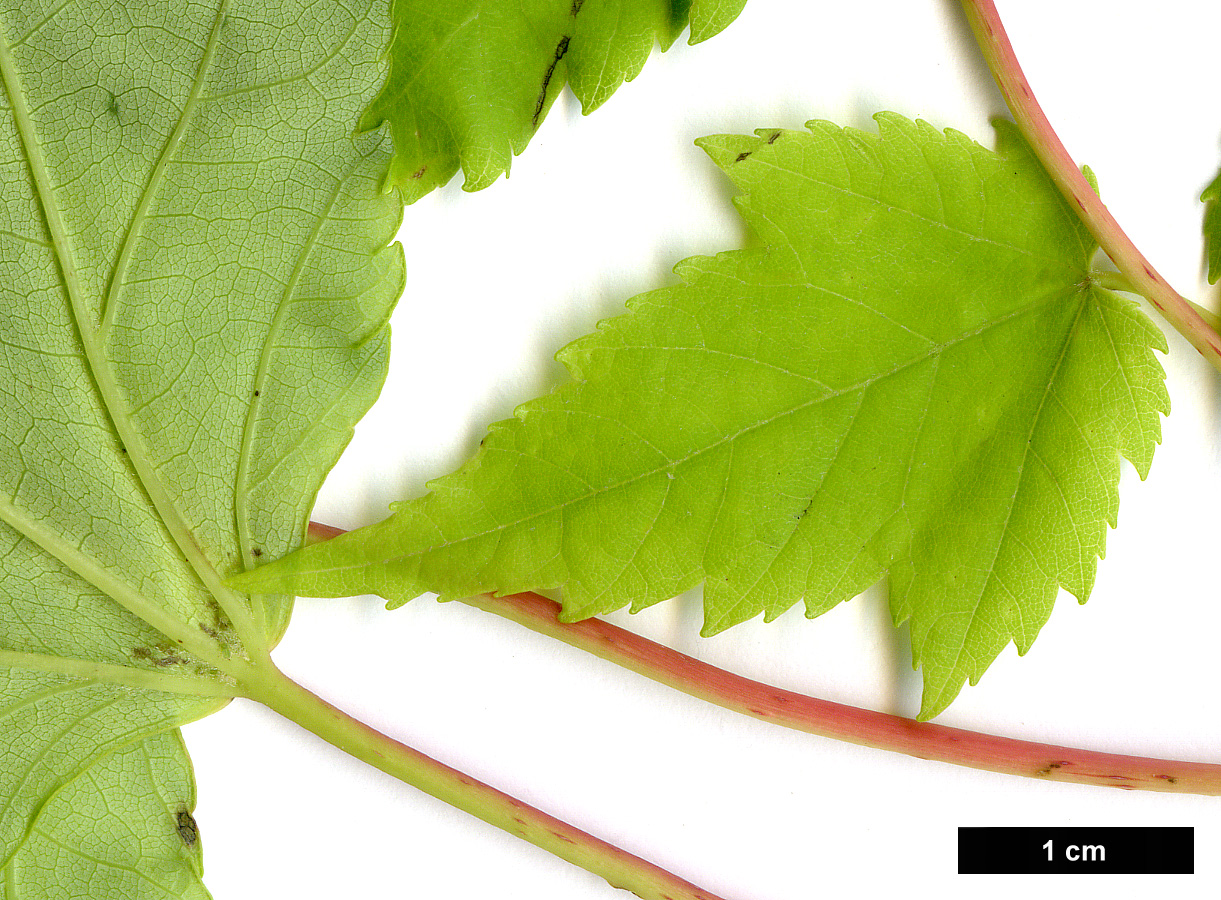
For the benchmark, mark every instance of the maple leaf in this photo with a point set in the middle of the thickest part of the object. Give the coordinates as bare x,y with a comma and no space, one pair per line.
471,81
195,293
914,375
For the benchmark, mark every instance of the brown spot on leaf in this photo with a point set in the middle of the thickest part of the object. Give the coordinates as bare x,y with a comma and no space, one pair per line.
742,156
419,173
774,137
188,830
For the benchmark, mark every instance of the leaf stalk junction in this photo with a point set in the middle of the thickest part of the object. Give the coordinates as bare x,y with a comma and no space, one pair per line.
268,685
1189,319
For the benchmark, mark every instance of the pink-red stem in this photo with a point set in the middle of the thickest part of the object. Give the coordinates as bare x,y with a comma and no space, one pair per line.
883,731
998,53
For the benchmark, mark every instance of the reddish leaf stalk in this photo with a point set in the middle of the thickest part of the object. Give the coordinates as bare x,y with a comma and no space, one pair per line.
883,731
1002,61
266,684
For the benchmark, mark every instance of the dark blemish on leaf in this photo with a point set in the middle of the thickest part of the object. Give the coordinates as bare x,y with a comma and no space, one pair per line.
742,156
419,173
560,49
122,449
772,139
113,106
161,657
576,7
208,630
188,830
256,552
257,394
220,622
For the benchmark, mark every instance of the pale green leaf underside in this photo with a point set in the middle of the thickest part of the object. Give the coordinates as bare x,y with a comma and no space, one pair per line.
122,828
195,283
913,375
470,80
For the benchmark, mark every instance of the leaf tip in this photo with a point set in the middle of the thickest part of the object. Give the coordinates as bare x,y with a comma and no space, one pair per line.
936,699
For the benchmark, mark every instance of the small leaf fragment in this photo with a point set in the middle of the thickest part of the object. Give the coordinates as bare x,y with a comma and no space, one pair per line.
1212,228
470,81
913,376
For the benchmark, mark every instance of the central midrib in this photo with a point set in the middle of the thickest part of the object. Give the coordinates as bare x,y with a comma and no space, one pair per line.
104,380
864,384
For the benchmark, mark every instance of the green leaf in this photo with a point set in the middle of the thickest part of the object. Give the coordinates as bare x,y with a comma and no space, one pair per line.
470,80
195,293
913,375
1212,228
122,828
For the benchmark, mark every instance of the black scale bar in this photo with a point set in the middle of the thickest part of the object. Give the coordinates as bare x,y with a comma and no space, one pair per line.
1031,851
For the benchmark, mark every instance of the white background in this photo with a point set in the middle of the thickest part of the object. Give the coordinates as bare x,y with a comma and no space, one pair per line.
597,210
